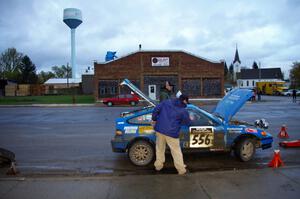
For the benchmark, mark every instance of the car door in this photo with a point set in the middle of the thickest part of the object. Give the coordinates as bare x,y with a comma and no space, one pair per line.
204,133
120,99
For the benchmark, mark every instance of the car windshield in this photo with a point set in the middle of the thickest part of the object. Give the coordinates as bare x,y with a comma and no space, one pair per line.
215,115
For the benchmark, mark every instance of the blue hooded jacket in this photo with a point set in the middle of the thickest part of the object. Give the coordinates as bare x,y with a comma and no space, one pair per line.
170,115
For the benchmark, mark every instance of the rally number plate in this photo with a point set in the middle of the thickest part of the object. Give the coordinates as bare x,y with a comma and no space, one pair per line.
201,137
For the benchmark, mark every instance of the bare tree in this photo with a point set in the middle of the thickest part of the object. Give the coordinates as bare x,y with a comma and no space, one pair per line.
10,60
62,71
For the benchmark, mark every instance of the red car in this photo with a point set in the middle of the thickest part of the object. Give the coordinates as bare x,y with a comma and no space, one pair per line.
122,99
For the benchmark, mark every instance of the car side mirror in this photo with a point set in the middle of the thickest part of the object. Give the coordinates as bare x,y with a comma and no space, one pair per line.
124,113
262,123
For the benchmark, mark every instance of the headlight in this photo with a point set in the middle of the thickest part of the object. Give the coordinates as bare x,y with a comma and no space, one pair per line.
118,132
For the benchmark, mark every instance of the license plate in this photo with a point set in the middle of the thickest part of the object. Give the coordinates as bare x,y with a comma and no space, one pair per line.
201,137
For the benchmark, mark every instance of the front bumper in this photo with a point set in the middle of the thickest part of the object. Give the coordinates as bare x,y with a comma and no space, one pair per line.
118,145
266,143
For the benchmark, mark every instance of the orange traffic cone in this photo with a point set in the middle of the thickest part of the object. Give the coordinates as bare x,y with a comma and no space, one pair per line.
276,161
283,133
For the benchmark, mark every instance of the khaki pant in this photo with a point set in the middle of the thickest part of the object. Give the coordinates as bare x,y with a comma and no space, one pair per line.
173,143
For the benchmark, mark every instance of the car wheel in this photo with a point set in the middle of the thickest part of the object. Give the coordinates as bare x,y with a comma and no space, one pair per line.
132,103
109,103
141,153
245,149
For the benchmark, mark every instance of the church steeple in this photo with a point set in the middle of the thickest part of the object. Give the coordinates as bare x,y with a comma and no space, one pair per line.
236,57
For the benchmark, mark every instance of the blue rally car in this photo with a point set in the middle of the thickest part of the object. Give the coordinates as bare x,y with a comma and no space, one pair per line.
215,131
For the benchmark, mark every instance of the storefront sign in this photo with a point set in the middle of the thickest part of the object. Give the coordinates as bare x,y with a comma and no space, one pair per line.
160,61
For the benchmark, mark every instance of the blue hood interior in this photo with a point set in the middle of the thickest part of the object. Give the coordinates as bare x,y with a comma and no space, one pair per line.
231,103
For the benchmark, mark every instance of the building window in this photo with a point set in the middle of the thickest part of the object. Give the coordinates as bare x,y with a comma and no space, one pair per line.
247,83
253,83
211,87
191,87
102,91
108,88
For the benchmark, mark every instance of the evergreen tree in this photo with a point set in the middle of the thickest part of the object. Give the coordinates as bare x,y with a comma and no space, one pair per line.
27,71
225,70
231,71
254,65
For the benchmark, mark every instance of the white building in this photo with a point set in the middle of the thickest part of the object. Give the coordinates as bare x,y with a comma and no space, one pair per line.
57,85
247,78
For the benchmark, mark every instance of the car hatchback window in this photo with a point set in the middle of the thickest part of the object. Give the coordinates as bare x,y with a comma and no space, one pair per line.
142,119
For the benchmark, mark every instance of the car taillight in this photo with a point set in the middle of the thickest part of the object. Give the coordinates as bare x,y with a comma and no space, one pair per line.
118,132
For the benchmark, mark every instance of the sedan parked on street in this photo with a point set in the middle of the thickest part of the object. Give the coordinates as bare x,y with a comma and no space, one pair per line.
126,99
289,92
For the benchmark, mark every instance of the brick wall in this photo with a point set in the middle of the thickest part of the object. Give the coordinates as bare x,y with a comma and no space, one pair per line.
183,65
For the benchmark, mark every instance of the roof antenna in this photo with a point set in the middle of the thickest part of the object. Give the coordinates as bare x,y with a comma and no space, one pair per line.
140,47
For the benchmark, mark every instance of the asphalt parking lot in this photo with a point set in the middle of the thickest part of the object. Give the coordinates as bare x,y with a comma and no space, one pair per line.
76,140
64,152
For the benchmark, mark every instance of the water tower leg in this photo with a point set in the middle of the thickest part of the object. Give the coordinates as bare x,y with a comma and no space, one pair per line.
73,55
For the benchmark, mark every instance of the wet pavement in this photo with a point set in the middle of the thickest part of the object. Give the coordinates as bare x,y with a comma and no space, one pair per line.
246,184
76,140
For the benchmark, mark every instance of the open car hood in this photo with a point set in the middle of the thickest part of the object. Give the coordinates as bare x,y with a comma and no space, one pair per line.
138,91
231,103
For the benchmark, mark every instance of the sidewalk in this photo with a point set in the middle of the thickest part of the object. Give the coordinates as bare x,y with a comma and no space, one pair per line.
264,183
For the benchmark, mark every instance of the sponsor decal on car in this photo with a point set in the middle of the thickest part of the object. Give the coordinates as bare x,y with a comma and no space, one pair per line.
146,130
235,130
250,130
130,129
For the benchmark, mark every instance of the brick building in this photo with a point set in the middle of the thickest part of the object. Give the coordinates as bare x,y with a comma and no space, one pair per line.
148,70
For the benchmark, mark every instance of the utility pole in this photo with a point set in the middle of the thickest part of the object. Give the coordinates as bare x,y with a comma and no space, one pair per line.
67,75
259,72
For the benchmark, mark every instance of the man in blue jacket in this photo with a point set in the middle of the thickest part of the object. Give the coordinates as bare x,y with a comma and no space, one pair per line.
168,117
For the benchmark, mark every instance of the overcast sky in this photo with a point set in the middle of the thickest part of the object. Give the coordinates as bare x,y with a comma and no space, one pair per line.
265,31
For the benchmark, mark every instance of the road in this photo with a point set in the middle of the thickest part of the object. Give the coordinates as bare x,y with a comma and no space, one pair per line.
76,140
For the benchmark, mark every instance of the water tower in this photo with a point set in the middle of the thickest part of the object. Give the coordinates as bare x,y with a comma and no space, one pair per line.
73,18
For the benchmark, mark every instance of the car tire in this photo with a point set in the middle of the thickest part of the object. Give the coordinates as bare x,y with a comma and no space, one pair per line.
141,153
109,103
245,149
132,103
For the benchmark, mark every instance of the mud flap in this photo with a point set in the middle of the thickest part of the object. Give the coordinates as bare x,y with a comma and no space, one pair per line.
6,157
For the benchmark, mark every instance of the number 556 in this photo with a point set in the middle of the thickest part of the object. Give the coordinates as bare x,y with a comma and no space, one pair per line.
201,139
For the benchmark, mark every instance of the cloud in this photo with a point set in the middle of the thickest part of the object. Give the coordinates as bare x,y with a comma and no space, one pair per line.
265,31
